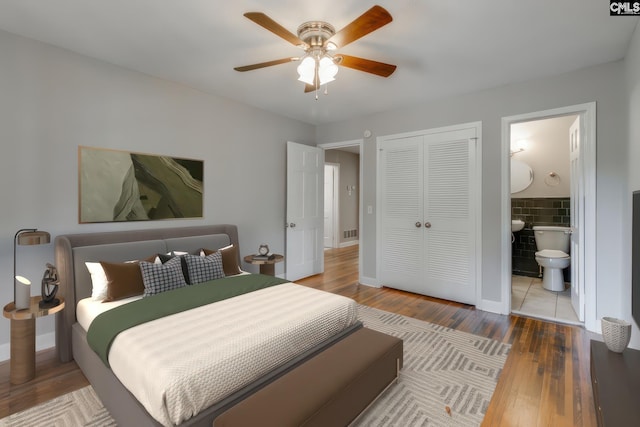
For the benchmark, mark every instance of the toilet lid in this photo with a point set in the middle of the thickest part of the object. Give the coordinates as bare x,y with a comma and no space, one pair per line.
551,253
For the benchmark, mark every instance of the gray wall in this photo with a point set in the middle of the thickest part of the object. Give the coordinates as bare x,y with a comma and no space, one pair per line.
632,80
603,84
53,100
349,175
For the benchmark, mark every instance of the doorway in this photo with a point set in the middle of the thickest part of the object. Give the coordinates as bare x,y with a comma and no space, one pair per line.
542,188
583,235
345,158
331,204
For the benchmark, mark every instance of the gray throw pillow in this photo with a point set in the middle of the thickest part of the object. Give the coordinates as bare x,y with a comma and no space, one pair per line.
204,268
158,278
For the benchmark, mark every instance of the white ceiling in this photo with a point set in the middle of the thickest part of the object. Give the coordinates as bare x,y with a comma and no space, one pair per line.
441,47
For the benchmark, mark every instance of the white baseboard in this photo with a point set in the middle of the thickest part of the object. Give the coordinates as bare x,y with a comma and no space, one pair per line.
43,342
349,243
370,281
490,306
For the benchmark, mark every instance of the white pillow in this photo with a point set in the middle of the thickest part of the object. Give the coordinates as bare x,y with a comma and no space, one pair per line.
98,281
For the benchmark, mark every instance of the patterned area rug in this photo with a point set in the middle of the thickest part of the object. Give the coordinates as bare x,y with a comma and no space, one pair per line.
79,408
443,369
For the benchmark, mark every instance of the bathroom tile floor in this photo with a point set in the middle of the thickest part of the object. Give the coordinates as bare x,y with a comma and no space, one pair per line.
529,298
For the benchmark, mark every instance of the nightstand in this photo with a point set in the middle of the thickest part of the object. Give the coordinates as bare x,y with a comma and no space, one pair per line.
23,337
267,266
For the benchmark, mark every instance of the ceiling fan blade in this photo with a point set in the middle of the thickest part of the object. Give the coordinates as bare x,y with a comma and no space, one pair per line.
309,88
277,29
369,21
366,65
265,64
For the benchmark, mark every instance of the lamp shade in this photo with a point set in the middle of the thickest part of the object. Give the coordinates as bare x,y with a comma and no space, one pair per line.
34,237
307,70
327,70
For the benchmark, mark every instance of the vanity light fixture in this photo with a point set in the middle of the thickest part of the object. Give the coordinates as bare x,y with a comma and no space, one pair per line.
518,146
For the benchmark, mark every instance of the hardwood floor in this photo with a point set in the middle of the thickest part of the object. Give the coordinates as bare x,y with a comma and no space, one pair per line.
545,381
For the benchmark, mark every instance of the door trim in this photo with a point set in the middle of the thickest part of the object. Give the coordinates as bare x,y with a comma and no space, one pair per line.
587,113
476,178
336,203
360,144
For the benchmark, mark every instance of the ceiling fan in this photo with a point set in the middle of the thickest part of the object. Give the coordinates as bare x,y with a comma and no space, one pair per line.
319,39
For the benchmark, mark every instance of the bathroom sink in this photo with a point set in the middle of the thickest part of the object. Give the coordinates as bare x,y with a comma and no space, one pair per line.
517,224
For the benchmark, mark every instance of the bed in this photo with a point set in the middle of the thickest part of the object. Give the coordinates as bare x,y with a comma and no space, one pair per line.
190,393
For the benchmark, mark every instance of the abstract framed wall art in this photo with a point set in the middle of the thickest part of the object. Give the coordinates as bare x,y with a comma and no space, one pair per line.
119,185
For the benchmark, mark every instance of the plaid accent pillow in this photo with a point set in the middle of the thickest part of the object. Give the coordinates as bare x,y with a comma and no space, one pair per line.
163,258
204,268
159,278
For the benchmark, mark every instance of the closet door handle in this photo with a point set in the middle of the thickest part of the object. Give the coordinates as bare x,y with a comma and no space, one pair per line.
427,225
418,224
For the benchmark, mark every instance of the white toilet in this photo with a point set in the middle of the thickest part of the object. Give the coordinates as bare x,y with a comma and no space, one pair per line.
553,254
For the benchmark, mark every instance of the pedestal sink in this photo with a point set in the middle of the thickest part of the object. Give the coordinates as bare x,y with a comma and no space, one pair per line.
517,225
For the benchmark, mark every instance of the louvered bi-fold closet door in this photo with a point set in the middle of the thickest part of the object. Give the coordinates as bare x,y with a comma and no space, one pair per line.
450,210
428,214
402,191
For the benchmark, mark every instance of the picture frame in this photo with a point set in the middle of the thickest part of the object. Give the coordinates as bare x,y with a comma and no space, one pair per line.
118,185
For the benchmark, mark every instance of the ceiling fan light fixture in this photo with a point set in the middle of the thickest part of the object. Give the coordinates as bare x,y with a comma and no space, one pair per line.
327,70
319,40
307,70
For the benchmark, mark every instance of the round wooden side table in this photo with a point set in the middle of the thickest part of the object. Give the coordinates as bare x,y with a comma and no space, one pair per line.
267,266
23,337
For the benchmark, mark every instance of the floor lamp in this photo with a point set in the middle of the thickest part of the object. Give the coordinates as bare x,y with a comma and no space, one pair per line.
21,285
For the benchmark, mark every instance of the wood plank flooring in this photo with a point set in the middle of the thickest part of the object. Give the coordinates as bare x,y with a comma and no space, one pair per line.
545,381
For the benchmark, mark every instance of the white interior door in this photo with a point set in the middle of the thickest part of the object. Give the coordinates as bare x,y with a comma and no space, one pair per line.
450,212
305,211
577,220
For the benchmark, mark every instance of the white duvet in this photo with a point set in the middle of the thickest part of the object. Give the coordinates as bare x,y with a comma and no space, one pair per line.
181,364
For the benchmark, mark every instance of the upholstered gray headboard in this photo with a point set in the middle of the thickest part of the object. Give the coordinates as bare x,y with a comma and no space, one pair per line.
72,250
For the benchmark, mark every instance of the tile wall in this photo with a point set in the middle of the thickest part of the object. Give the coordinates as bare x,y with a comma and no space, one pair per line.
535,211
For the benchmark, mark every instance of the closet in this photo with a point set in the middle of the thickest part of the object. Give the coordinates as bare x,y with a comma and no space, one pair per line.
429,212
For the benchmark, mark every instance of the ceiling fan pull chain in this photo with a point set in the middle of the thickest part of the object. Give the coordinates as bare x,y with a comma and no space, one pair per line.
317,78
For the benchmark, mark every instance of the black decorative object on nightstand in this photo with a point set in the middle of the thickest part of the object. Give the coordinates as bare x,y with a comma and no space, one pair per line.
49,288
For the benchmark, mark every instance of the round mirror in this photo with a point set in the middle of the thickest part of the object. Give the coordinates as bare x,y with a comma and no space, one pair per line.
521,176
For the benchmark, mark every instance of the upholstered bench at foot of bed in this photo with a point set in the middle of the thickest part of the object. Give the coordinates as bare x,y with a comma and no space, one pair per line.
331,389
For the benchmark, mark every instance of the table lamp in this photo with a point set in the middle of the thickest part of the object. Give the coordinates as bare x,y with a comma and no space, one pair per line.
21,285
